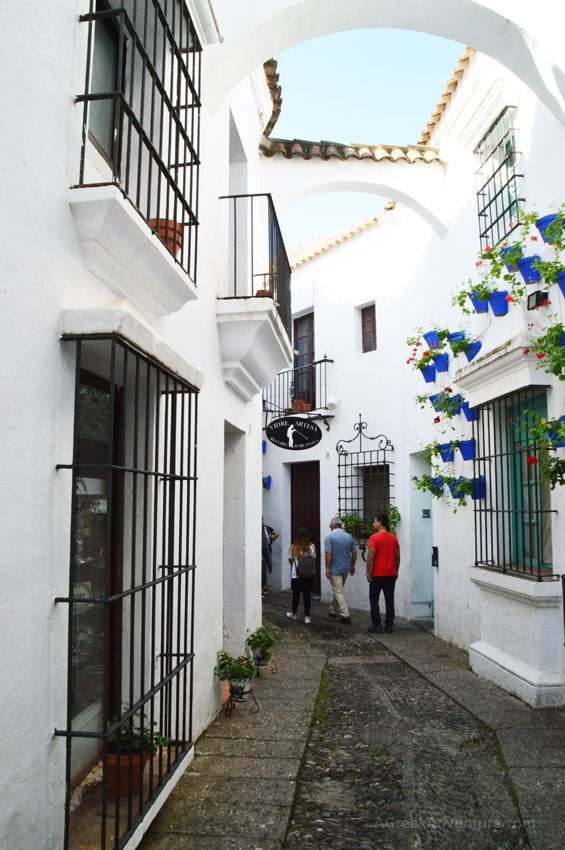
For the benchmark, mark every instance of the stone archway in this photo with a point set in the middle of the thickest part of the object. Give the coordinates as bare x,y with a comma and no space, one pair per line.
517,35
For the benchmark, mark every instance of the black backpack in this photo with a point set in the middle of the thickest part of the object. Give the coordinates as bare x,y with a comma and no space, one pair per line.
306,567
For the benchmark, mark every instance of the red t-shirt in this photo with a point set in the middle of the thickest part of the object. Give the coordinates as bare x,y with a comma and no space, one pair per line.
386,546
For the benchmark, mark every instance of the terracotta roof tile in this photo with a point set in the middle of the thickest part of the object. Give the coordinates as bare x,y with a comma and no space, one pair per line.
324,150
452,84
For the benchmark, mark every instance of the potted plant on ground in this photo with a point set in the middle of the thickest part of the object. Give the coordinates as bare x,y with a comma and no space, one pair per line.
238,670
129,746
261,643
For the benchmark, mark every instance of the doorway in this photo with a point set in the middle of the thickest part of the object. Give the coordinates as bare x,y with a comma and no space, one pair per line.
305,506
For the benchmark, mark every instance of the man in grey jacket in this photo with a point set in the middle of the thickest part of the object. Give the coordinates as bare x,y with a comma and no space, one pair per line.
341,554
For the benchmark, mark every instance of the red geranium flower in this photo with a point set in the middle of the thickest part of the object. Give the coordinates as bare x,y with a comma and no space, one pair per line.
437,419
509,297
531,459
527,350
540,355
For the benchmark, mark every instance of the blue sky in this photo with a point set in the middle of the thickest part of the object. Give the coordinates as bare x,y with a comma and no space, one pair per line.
372,86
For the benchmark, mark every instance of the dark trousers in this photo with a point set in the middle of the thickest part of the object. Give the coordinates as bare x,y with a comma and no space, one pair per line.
386,584
304,586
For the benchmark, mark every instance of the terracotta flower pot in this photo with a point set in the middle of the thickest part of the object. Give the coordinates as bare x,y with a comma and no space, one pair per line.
301,406
123,772
170,232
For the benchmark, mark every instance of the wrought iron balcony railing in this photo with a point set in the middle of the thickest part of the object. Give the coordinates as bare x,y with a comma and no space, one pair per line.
141,114
300,390
258,263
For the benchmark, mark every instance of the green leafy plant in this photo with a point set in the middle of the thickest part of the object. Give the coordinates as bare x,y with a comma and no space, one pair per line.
134,736
429,483
357,526
233,667
433,450
543,436
393,517
262,640
549,351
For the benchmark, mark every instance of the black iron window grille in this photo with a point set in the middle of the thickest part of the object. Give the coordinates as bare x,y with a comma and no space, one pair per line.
131,585
364,478
141,114
258,262
513,521
307,384
498,192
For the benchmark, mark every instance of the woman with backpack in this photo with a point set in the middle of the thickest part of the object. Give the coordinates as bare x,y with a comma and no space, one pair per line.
302,560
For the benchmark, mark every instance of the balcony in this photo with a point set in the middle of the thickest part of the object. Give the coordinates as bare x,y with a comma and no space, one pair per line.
254,318
135,199
303,389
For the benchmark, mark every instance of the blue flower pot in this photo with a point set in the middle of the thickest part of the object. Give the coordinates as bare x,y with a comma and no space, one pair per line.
528,270
436,401
510,249
438,482
447,453
455,488
467,449
498,302
456,336
457,401
473,350
561,282
480,304
479,487
432,338
544,223
429,373
441,361
471,415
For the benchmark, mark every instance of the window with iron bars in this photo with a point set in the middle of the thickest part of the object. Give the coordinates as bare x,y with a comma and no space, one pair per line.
141,114
131,583
513,522
365,472
498,182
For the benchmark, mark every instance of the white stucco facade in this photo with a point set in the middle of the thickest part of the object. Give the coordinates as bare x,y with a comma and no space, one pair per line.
91,266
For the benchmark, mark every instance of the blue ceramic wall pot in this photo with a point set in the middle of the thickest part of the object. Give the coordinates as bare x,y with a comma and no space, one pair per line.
446,451
473,349
471,414
441,361
467,449
480,304
528,270
479,487
429,373
561,282
498,302
515,251
432,338
544,223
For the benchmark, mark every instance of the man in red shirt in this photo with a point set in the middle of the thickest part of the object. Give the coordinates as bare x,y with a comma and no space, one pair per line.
383,563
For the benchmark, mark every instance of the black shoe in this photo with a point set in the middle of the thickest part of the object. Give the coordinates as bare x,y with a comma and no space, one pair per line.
388,629
378,629
346,620
331,614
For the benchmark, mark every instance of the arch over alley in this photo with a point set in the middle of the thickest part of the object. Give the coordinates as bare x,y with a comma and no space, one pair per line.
519,37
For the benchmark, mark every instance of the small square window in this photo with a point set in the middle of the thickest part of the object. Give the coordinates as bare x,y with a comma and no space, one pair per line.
368,329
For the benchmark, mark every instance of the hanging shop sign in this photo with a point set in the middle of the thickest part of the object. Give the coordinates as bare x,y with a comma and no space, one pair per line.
294,433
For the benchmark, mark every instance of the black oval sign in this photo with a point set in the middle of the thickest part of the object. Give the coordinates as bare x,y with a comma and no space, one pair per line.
294,433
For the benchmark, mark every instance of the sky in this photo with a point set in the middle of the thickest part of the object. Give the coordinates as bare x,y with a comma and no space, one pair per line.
370,86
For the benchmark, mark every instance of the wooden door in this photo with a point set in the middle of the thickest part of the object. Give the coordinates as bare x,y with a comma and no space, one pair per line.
305,506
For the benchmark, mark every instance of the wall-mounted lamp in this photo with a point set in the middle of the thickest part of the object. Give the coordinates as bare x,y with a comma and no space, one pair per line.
332,403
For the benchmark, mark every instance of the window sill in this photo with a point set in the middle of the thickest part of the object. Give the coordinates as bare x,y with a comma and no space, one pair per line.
121,251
